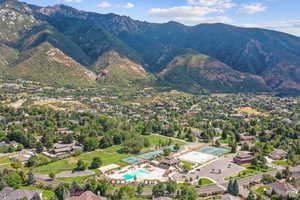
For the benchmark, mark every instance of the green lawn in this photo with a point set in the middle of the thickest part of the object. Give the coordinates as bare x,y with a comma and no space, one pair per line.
205,181
154,140
281,163
79,180
109,155
249,171
261,190
47,194
5,161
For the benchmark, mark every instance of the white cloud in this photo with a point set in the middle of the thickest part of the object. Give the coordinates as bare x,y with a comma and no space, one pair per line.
291,26
182,11
73,1
104,4
195,11
199,20
252,8
128,5
220,4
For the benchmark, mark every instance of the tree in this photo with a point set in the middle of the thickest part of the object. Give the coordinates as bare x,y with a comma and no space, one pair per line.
30,180
188,193
251,196
125,192
51,175
61,191
91,185
167,151
80,166
140,189
104,187
16,164
158,190
235,188
75,187
13,179
133,145
230,186
96,163
39,147
90,144
267,179
171,187
68,139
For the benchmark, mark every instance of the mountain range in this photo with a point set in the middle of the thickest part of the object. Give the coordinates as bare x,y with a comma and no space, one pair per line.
65,46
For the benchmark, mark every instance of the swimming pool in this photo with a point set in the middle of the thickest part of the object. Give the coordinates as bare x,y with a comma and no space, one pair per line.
134,174
213,151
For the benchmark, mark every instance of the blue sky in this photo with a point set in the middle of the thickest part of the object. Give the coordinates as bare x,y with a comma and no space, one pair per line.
282,15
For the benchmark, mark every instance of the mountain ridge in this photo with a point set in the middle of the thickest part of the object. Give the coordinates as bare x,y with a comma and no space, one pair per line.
85,37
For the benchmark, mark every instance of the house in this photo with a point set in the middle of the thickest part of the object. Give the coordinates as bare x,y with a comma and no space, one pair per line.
23,156
296,178
246,137
86,196
11,194
230,197
167,163
161,198
64,150
281,188
278,154
243,159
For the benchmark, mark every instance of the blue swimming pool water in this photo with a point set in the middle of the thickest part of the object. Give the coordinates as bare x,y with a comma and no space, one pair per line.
213,150
136,173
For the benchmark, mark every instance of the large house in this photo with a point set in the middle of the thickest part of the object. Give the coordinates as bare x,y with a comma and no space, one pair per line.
243,159
278,154
86,196
11,194
282,189
23,156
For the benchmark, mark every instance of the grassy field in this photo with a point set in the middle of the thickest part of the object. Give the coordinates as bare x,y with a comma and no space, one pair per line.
5,162
261,190
205,181
251,111
249,171
154,140
79,180
47,194
281,163
108,156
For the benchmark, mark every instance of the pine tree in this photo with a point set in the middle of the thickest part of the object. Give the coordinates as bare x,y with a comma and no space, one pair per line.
251,196
235,188
229,187
30,180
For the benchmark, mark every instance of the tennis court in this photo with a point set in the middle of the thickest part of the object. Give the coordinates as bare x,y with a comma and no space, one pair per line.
132,160
150,155
213,151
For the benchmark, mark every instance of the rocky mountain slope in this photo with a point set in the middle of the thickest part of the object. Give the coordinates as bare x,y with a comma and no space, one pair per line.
95,47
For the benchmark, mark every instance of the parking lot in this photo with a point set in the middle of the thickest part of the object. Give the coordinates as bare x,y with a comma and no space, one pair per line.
219,169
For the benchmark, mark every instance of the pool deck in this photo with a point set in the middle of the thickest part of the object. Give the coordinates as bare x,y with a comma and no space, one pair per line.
154,173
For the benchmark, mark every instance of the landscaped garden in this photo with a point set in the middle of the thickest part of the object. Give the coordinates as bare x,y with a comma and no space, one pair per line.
284,163
205,181
250,170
